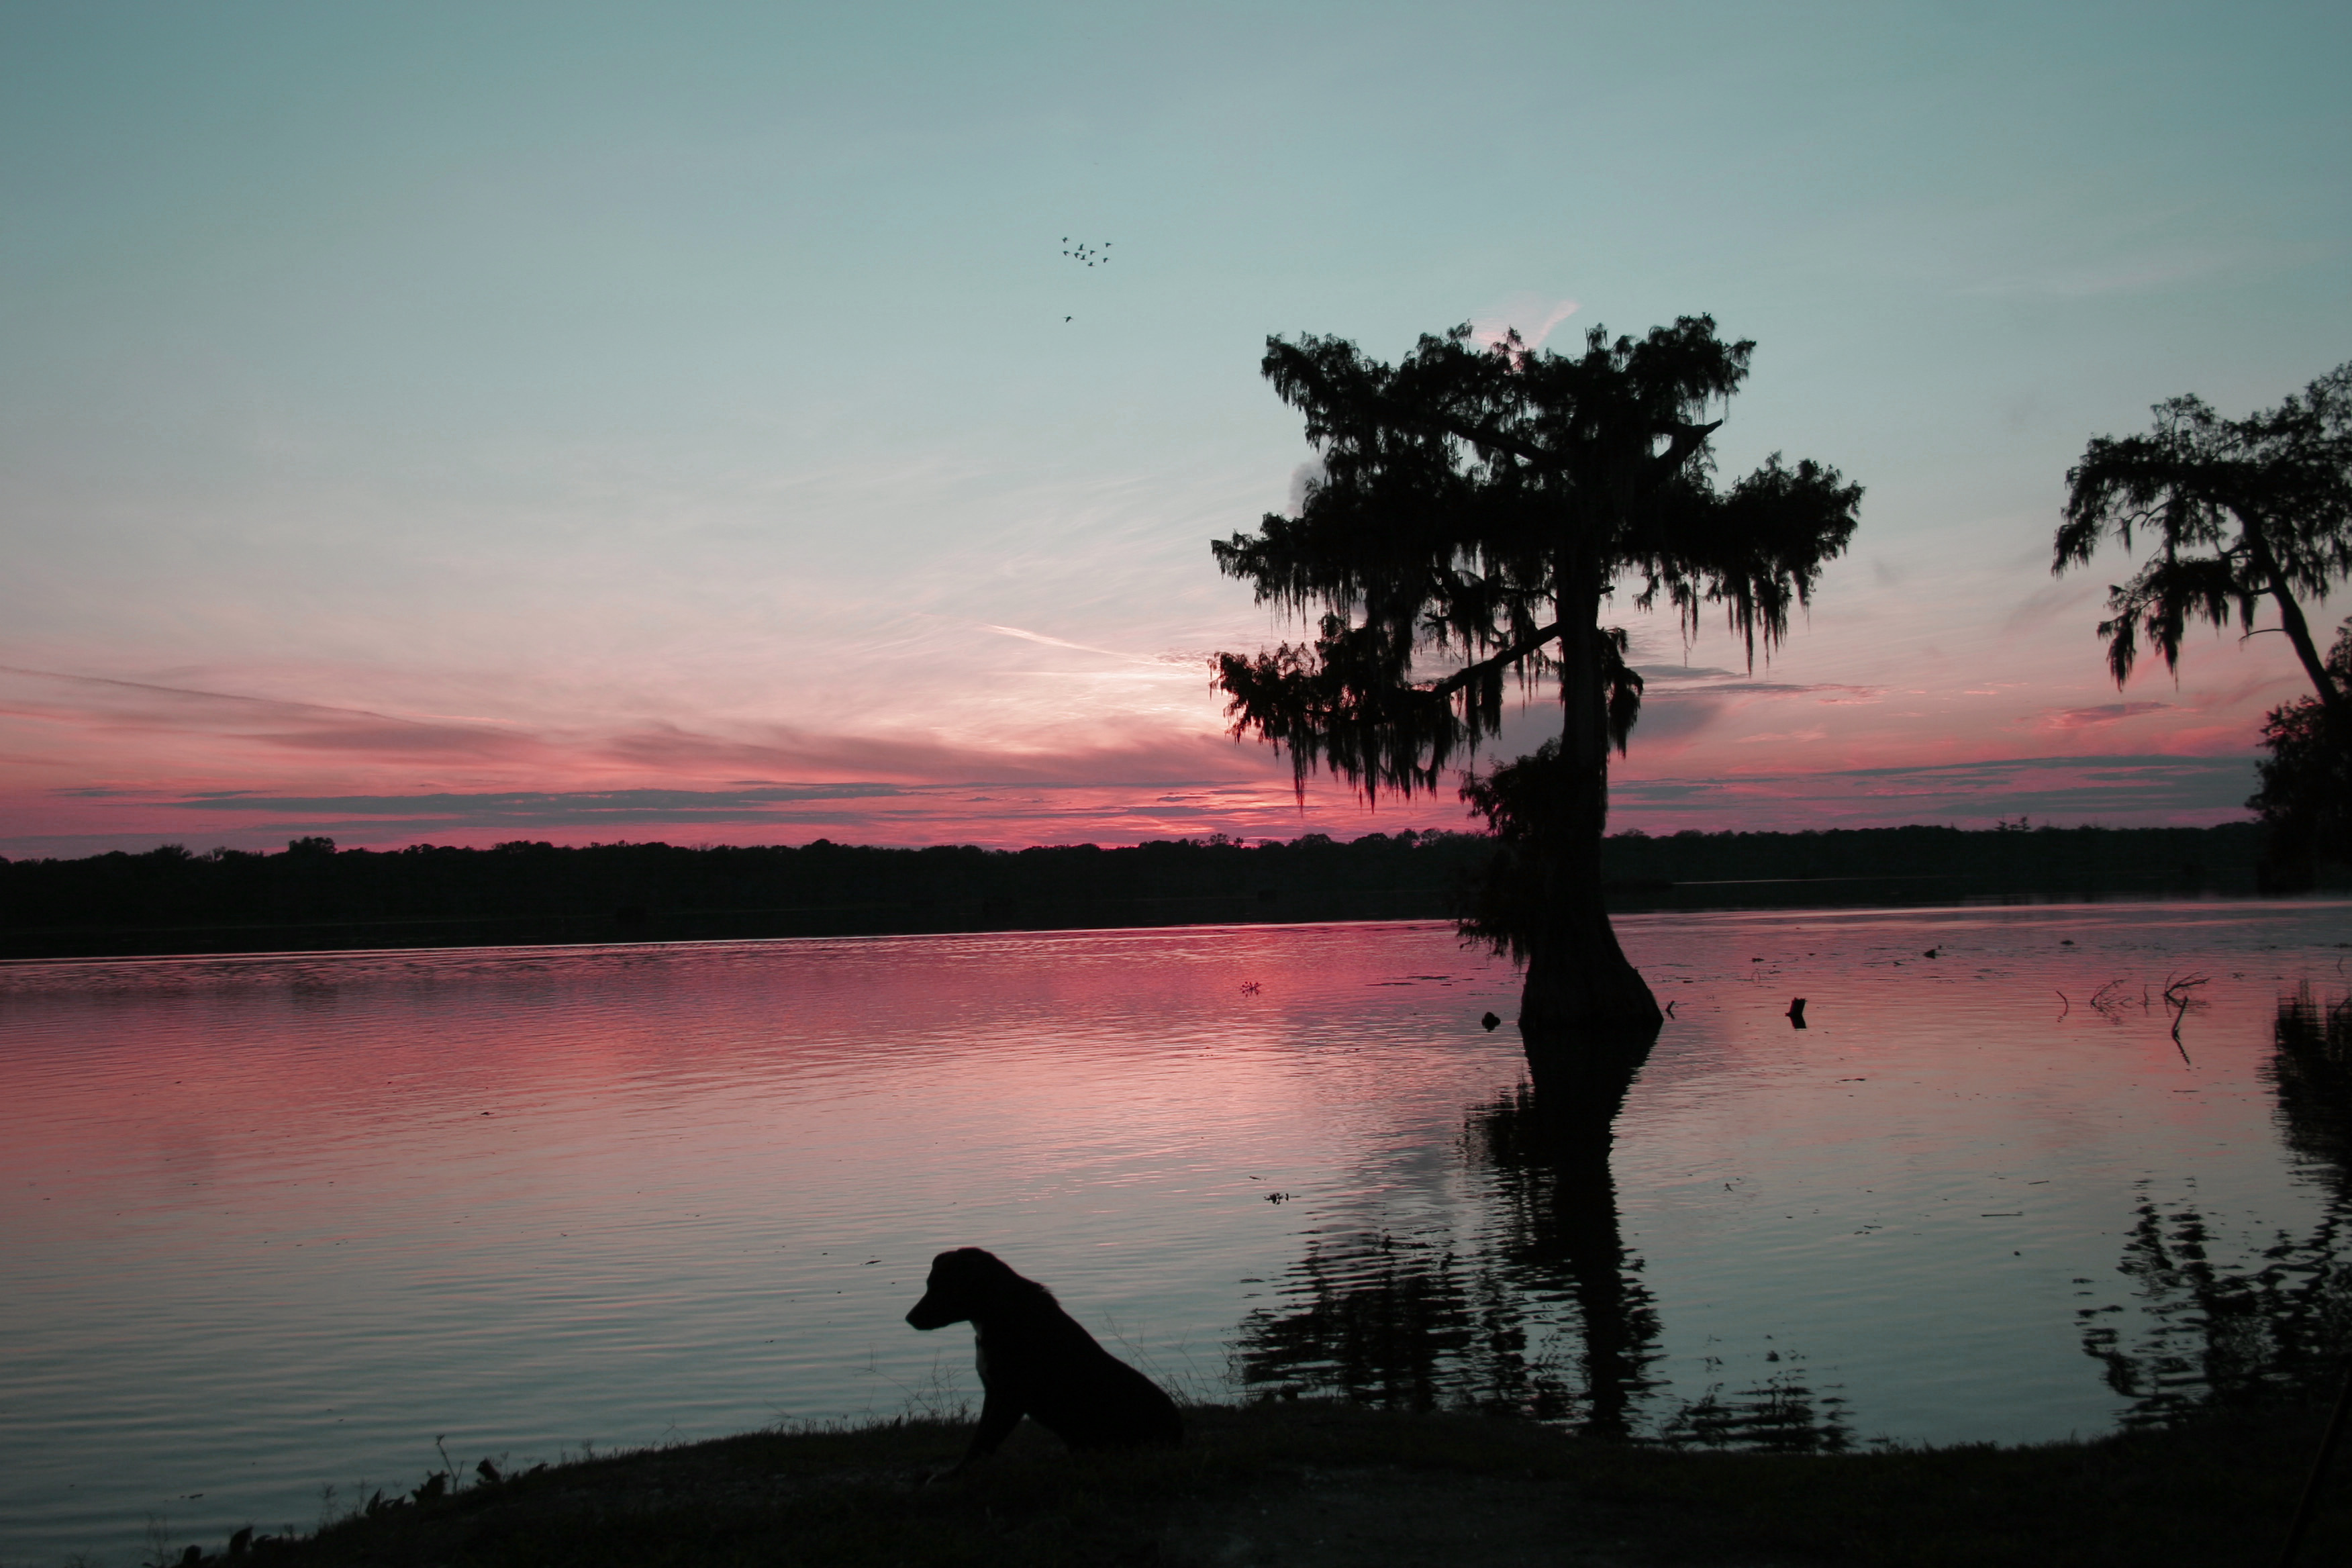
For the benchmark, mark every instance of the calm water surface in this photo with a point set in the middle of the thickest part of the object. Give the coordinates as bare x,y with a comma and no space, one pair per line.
275,1224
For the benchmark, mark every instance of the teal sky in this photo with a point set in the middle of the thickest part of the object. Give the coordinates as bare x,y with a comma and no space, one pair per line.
463,423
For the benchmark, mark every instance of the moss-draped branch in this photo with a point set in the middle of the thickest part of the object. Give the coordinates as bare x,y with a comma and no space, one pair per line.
2239,510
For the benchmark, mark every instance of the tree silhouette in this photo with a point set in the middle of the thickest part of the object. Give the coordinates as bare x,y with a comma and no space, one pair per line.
2305,798
2239,509
1477,509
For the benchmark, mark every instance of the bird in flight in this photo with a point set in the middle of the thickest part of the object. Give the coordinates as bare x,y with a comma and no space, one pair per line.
1091,255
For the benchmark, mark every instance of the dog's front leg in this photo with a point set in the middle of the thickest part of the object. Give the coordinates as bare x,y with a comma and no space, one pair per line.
998,1416
999,1413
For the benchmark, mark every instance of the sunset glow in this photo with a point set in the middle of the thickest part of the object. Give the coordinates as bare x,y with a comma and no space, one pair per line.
439,427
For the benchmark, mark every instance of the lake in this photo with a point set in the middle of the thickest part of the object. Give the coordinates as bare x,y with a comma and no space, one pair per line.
280,1225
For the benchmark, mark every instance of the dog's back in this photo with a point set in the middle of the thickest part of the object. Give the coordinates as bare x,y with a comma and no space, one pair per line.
1037,1360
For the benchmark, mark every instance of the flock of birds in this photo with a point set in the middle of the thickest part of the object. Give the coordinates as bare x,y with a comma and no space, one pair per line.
1090,255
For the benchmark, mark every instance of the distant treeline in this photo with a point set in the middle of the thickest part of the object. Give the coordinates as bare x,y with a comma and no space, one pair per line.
314,895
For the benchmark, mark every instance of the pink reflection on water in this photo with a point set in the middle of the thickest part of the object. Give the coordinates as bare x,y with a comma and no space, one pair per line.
320,1209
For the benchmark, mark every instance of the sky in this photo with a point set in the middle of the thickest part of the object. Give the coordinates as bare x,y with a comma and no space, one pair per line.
455,423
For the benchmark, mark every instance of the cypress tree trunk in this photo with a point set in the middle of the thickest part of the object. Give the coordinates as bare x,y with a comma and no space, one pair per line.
1580,982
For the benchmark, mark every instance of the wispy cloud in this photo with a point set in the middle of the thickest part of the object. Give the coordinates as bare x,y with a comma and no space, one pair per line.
1681,703
2103,714
219,737
544,807
1785,737
2046,602
110,703
130,697
1535,316
1681,680
1676,718
1044,640
1827,690
2113,789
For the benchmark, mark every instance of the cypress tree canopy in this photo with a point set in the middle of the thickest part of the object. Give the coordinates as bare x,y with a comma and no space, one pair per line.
1477,508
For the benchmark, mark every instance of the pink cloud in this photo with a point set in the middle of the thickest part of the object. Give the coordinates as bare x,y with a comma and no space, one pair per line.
91,761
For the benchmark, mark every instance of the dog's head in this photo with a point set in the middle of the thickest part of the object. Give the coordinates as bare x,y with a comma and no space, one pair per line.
962,1284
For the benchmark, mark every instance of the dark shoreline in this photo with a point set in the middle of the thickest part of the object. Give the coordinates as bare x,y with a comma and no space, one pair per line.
313,897
1314,1484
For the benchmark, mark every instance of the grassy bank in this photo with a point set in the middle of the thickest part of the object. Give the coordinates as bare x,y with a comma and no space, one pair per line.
1322,1484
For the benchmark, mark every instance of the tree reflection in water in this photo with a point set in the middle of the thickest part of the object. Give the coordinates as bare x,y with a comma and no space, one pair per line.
2219,1336
1542,1313
1402,1325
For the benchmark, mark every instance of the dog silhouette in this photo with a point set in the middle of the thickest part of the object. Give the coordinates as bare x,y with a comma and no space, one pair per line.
1034,1360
